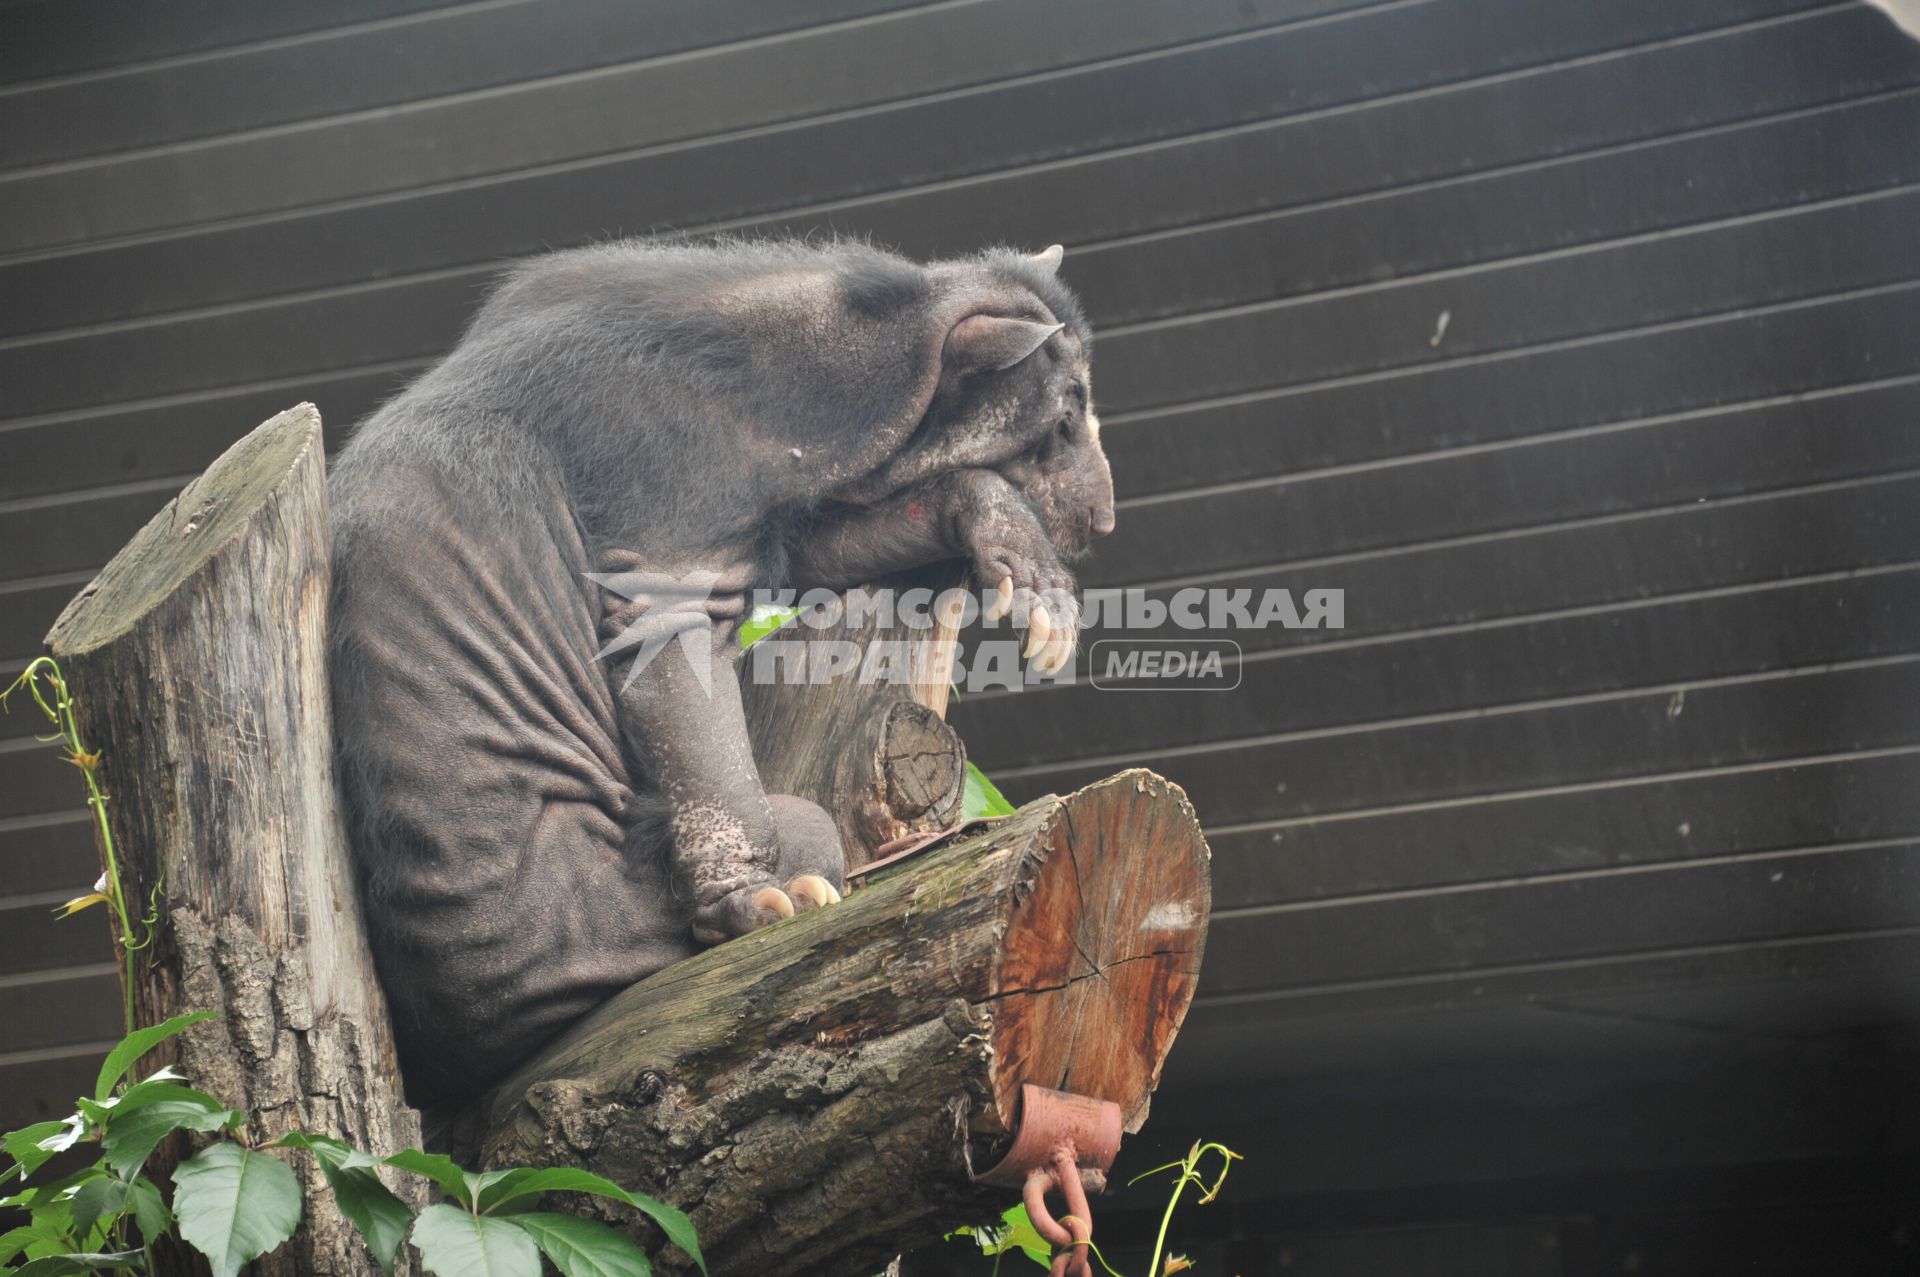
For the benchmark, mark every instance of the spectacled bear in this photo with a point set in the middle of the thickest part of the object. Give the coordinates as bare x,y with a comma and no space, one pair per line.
547,799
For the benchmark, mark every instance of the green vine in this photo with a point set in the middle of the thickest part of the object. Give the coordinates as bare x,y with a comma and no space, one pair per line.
1015,1230
47,684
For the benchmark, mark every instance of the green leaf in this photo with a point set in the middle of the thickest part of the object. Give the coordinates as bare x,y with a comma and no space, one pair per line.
67,1265
150,1210
585,1247
15,1240
67,1134
437,1167
131,1137
48,1231
23,1146
982,798
137,1044
33,1198
97,1200
330,1151
482,1187
520,1184
152,1091
673,1222
381,1217
1015,1231
235,1204
764,620
454,1243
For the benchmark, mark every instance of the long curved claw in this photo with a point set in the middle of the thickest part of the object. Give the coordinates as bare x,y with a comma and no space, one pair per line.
1058,652
774,901
1000,602
1039,626
738,912
811,891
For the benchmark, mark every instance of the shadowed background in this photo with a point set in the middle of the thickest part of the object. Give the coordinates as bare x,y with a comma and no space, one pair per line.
1569,909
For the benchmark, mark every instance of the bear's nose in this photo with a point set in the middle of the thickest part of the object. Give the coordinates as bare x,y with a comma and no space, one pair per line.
1102,521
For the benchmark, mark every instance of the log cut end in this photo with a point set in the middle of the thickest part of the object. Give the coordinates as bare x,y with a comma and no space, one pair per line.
1103,954
222,505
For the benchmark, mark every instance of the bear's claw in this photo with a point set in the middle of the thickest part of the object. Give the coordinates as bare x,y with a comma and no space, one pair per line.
811,891
738,912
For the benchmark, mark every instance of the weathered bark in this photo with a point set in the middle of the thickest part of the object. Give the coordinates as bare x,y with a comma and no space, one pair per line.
878,755
198,663
818,1094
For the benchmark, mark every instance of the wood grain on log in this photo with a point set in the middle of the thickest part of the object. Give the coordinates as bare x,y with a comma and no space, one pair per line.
818,1094
198,663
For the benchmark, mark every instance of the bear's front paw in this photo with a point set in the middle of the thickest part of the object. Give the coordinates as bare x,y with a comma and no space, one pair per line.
751,908
1037,591
741,876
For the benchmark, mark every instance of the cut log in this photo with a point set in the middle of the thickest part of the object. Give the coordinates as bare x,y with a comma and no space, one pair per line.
198,663
818,1095
876,754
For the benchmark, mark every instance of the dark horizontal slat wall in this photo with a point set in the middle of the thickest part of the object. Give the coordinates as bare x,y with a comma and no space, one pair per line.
1628,701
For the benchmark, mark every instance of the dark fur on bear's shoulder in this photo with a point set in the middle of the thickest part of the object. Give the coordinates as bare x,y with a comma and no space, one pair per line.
711,406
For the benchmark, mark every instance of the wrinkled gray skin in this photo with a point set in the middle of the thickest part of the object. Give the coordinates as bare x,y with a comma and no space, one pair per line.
536,831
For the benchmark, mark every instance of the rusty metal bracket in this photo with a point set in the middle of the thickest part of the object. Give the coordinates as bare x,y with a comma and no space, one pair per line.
909,845
1065,1142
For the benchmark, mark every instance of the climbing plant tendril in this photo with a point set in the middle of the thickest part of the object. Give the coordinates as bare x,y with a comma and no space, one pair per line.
44,681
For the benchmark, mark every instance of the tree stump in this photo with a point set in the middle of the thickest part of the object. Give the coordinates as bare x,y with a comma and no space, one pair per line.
818,1095
198,662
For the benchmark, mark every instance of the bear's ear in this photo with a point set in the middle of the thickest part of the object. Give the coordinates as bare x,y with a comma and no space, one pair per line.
989,343
1049,257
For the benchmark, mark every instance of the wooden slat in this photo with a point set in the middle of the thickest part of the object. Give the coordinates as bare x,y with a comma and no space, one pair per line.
1527,747
34,781
40,38
461,48
1768,898
1755,984
66,1009
67,539
43,1089
1823,58
1772,1239
48,854
25,613
32,939
149,439
1377,52
1711,814
1310,688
